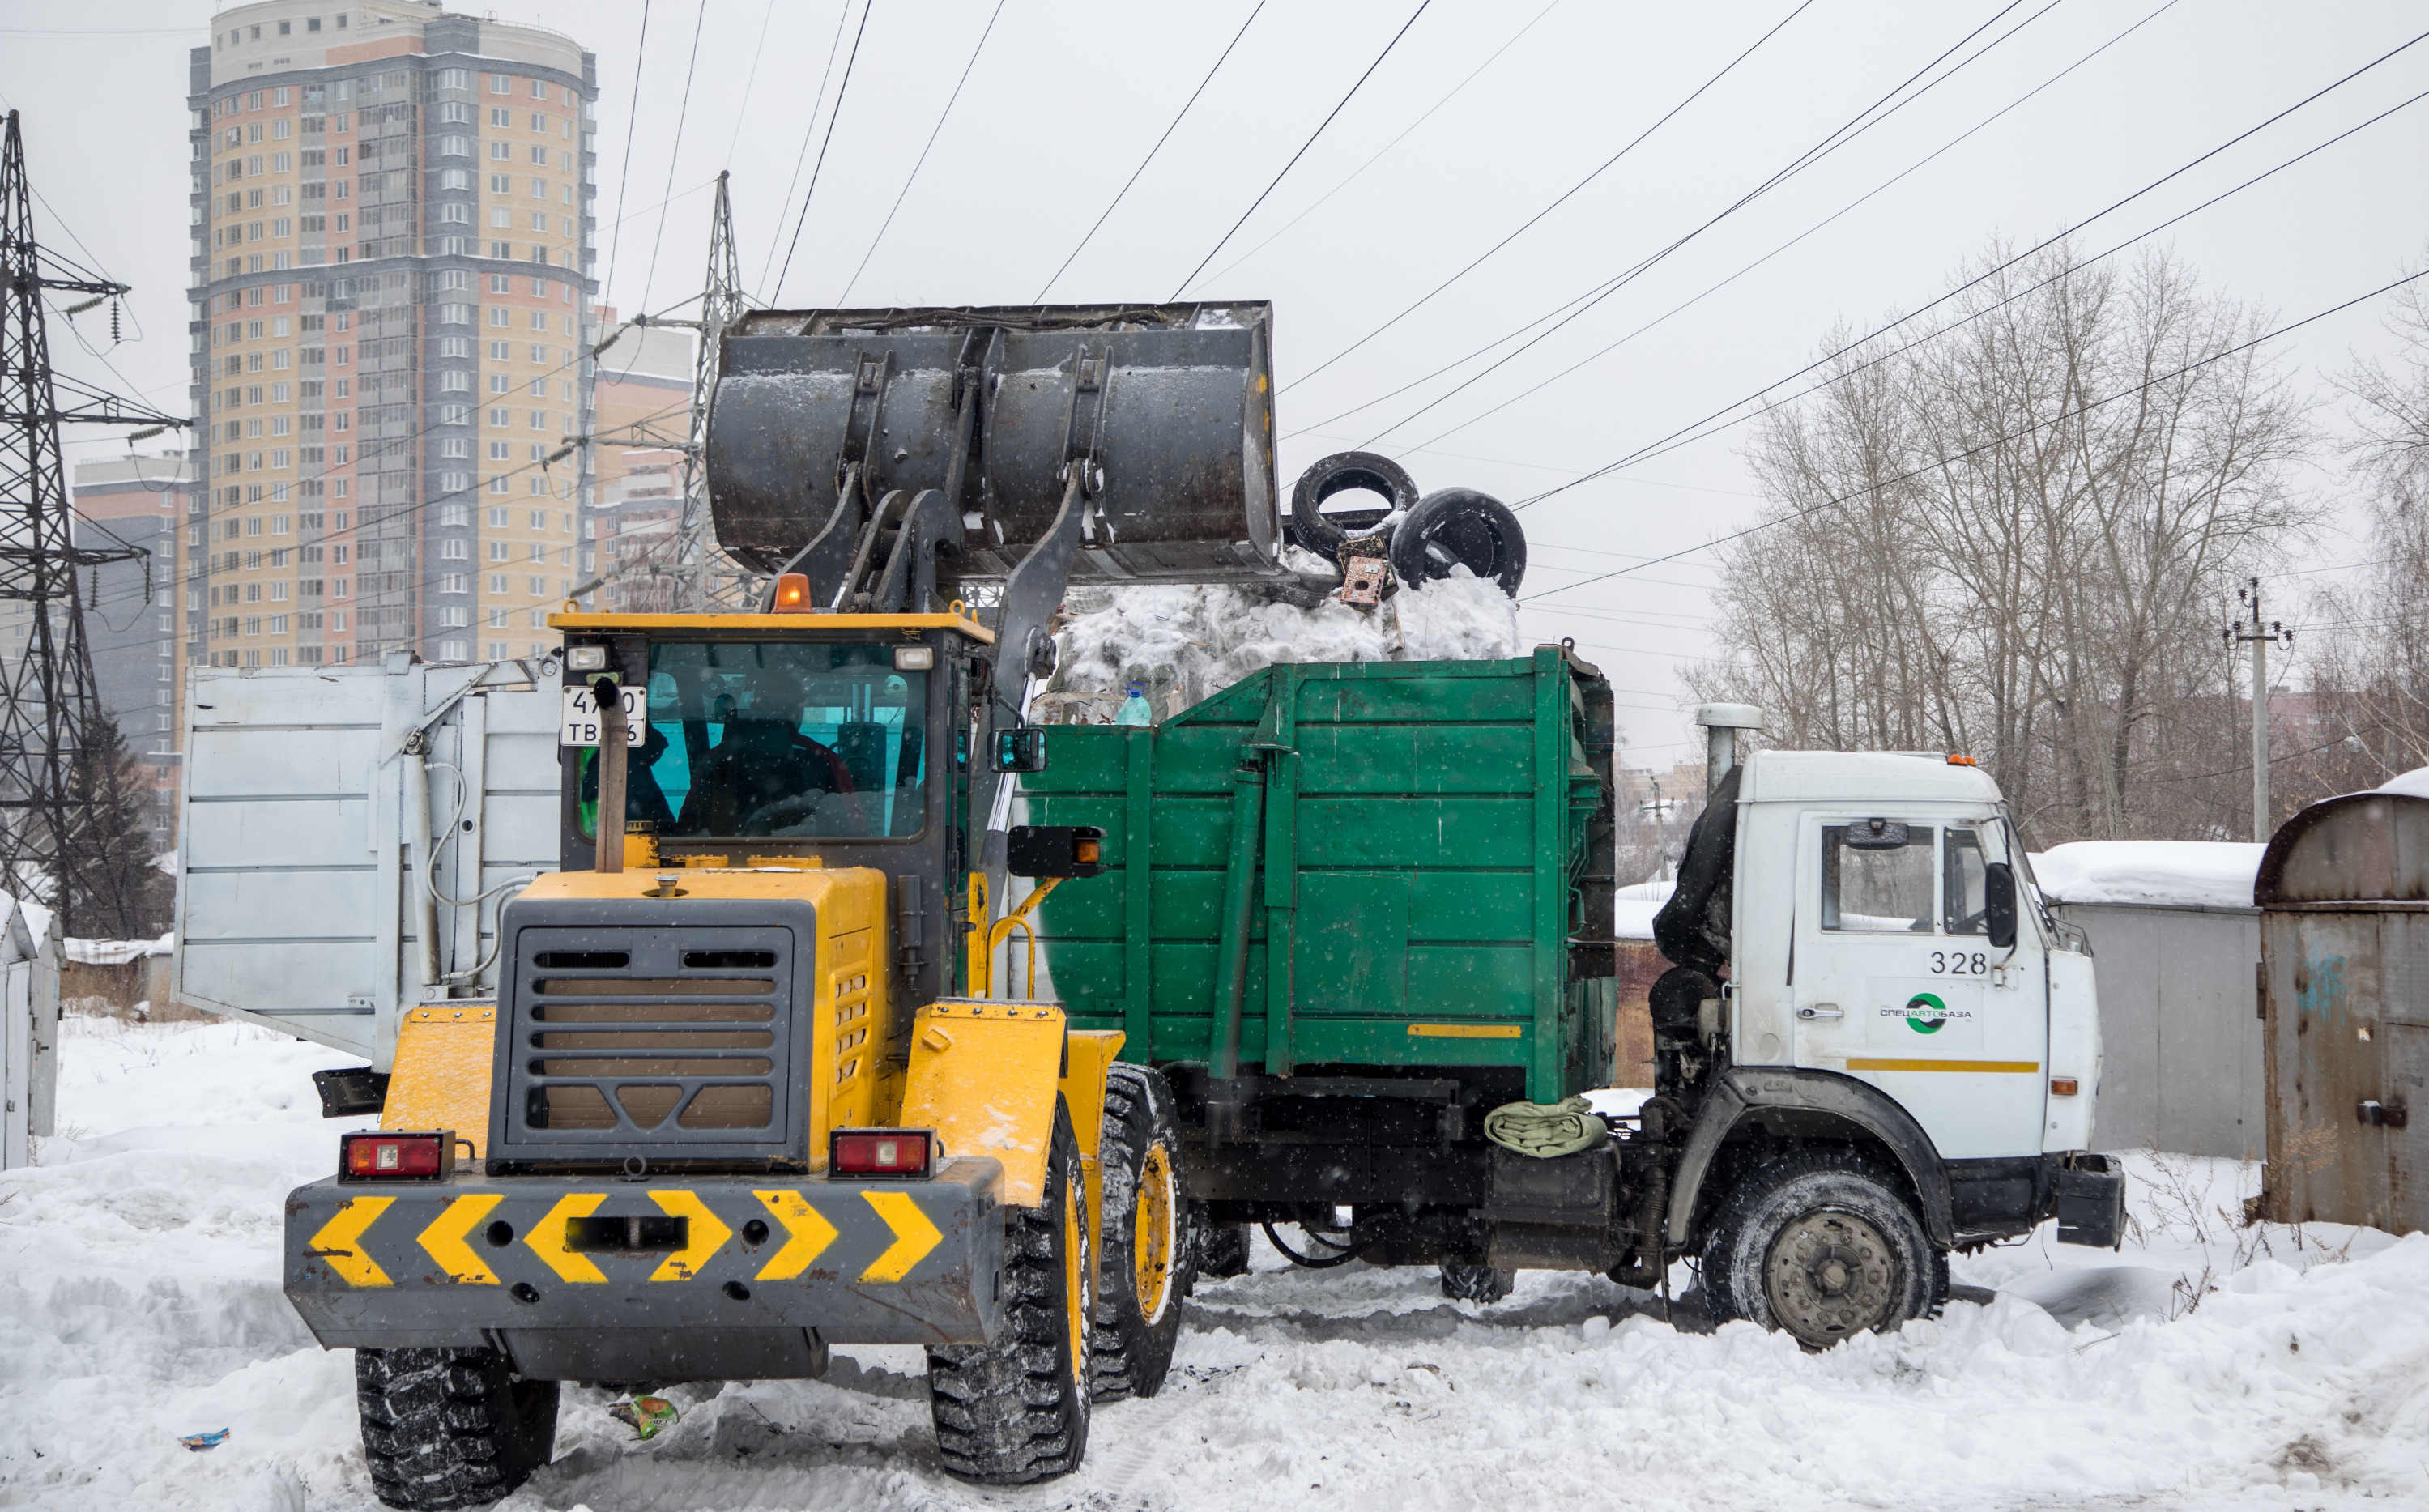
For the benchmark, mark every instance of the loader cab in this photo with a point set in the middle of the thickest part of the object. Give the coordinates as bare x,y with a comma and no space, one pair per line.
790,740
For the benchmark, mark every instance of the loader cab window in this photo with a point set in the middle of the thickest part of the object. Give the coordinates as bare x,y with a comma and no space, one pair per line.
1876,878
752,739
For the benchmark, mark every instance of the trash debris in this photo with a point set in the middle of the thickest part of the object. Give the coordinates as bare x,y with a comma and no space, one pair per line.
645,1415
199,1441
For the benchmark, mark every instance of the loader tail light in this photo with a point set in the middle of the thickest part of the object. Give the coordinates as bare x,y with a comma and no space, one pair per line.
792,595
1087,852
384,1156
880,1151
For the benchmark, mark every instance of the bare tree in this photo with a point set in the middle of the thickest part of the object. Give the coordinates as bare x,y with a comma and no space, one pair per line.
2010,539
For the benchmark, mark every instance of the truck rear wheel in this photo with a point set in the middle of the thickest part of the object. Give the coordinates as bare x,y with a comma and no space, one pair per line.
450,1427
1218,1251
1823,1244
1144,1269
1016,1410
1476,1283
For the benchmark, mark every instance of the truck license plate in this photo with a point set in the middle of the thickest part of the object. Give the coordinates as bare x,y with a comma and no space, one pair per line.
580,726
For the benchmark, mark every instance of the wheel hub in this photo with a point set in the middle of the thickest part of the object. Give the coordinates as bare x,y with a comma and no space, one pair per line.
1830,1274
1151,1231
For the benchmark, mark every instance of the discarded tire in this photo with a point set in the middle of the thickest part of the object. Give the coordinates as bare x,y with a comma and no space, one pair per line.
1476,1283
1145,1266
1339,473
1823,1244
1460,527
450,1427
1016,1410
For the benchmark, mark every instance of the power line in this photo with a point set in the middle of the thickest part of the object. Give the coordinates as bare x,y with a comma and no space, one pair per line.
1830,144
835,115
1565,195
809,129
750,81
1185,283
1577,305
1152,150
624,174
674,153
1324,198
1674,441
1937,463
941,118
1851,205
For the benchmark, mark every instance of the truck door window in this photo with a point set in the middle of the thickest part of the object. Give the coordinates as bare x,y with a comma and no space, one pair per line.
1870,889
755,739
1961,881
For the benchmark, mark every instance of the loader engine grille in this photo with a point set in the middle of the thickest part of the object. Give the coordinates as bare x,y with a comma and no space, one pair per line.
669,1044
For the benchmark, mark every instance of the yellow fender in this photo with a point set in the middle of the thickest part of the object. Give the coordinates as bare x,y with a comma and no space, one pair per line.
984,1075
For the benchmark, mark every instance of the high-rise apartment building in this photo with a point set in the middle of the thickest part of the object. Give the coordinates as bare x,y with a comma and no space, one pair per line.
133,612
393,246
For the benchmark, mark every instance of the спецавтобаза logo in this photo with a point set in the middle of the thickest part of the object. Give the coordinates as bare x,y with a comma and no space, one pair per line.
1924,1013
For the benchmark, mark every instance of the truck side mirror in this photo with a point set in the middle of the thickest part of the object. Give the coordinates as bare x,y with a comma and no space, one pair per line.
1054,851
1020,751
1999,904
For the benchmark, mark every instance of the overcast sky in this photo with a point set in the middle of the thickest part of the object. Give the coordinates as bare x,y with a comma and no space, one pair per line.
1480,116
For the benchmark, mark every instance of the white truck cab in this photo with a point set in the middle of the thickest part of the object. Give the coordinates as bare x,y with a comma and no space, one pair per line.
1875,1048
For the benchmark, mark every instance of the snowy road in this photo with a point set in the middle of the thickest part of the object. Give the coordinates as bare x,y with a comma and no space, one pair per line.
138,1300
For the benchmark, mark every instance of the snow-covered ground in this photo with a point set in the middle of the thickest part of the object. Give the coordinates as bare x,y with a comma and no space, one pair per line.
2207,1365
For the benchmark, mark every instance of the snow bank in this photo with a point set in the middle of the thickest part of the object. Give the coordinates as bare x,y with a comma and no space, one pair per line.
1636,907
2205,1367
1210,638
2216,873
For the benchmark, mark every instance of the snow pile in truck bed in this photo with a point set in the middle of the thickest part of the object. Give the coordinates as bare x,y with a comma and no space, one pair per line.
2216,874
2196,1370
1212,636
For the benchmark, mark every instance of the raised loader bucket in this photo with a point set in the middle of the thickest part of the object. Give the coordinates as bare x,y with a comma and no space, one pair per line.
1166,410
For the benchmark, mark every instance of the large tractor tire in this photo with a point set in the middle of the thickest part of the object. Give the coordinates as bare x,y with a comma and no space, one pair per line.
450,1427
1016,1410
1144,1267
1823,1244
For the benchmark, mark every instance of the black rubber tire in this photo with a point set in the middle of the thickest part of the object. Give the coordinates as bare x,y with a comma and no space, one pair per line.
1874,1229
1140,1177
1476,1283
1016,1410
450,1427
1459,525
1337,473
1217,1251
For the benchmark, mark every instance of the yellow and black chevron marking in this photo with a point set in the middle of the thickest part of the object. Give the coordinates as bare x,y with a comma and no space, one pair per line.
488,1237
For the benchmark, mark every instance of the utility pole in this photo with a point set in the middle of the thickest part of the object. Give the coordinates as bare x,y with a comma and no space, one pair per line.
2259,634
49,708
1660,808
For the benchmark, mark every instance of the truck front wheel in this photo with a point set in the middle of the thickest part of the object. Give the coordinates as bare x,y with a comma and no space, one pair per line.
1145,1269
1821,1245
450,1427
1016,1410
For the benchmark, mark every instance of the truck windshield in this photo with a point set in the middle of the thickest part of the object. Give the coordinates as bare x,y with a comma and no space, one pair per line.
750,739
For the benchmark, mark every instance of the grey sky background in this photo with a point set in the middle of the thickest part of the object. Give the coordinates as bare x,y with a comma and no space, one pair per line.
1479,118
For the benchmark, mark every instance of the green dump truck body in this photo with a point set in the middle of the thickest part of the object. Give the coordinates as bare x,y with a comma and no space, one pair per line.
1423,893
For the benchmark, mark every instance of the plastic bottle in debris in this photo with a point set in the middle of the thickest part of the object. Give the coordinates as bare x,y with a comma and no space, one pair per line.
1134,710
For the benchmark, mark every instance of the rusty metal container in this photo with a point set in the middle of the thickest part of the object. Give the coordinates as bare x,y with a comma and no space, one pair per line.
2343,892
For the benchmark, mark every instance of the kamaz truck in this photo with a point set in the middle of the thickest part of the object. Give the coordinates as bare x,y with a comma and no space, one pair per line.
733,1080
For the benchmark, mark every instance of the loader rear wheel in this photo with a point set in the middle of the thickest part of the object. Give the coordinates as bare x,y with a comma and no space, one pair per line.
1145,1264
1823,1245
450,1427
1476,1283
1016,1410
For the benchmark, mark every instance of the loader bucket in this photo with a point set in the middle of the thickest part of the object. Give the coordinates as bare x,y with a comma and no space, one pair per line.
1166,410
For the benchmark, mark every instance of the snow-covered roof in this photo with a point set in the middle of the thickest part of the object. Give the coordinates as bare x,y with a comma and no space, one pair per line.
1633,913
116,952
2414,784
2213,873
1860,776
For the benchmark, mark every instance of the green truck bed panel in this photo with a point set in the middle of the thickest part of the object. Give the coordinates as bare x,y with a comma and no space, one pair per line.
1421,871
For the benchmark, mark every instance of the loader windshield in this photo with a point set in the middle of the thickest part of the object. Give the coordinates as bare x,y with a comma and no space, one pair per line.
750,739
